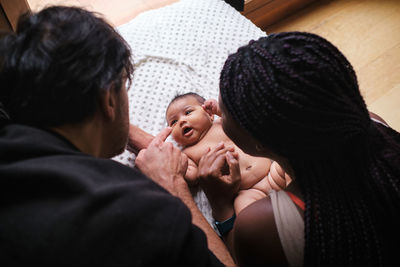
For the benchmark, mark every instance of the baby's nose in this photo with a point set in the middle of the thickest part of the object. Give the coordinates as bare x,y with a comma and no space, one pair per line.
181,122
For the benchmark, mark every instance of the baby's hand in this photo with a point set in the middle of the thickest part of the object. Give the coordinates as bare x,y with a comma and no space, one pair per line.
211,106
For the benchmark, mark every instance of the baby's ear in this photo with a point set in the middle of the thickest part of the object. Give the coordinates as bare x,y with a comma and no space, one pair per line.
209,113
208,110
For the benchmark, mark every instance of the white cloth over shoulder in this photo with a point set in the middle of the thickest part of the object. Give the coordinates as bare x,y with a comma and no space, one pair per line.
290,227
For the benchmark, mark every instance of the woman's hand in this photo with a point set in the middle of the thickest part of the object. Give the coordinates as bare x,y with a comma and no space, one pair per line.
219,175
211,107
163,162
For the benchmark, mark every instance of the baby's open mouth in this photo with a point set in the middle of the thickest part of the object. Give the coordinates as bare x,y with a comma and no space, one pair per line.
187,131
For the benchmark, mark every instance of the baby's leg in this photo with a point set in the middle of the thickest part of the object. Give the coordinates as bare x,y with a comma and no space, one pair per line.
246,197
277,177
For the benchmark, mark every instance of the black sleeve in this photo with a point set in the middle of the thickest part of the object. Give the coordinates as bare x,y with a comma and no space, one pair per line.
147,228
237,4
140,224
3,115
83,211
191,243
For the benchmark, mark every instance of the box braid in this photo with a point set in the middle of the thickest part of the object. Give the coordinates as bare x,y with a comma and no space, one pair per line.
298,95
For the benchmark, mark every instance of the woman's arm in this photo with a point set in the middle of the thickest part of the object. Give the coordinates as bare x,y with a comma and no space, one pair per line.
256,240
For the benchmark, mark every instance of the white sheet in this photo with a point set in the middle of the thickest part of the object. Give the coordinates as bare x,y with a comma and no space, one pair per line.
180,48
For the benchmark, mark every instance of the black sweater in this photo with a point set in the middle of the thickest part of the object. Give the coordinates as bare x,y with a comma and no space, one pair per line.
60,207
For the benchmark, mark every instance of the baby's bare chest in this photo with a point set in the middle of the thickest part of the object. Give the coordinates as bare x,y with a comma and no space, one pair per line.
213,137
252,169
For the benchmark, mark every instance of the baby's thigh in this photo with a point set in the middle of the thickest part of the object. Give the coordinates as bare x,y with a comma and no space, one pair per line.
246,197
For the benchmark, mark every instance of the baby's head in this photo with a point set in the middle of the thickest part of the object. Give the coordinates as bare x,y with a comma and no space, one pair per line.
189,121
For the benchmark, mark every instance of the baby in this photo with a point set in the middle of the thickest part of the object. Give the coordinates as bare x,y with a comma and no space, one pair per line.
195,129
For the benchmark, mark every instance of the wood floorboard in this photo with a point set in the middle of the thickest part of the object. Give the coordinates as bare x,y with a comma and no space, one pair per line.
368,34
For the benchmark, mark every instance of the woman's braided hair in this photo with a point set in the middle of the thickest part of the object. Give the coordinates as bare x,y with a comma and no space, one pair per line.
298,95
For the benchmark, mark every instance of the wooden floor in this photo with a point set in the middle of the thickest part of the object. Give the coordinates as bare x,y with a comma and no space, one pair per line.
368,33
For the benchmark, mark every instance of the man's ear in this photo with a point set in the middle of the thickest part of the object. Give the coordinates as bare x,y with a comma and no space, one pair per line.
108,102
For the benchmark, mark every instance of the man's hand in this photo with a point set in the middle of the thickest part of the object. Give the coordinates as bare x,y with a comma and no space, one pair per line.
163,162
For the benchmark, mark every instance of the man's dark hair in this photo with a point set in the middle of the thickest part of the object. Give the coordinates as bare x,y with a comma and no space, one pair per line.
298,95
57,64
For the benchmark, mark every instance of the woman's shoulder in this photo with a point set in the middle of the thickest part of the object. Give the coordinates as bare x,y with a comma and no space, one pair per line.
256,237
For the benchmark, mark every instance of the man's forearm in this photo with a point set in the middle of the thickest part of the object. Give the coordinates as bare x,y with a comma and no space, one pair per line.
215,244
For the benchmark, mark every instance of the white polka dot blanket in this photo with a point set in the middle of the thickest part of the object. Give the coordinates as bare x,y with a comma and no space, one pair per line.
177,49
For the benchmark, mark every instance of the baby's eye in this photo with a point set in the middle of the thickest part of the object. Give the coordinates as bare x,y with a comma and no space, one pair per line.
188,112
172,122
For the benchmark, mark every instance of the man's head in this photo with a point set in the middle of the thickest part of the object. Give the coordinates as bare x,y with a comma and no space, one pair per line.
58,64
189,121
66,67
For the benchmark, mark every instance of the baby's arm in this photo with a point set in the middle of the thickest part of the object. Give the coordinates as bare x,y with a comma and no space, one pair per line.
211,107
277,177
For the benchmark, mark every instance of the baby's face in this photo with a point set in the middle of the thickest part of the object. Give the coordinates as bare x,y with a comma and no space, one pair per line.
189,121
